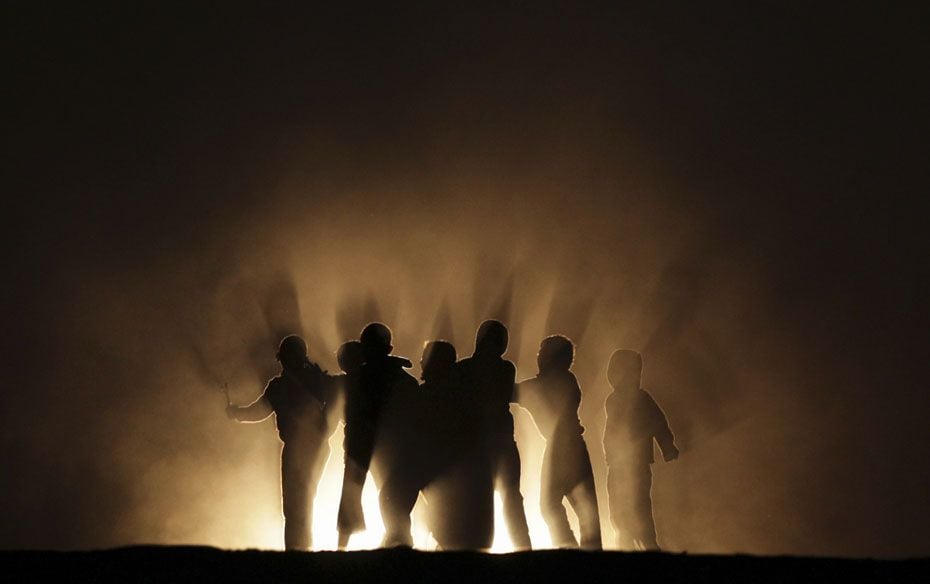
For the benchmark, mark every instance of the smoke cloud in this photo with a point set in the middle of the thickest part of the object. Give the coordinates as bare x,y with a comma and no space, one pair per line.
182,209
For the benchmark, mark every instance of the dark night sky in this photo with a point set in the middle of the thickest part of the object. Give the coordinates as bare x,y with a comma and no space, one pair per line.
750,180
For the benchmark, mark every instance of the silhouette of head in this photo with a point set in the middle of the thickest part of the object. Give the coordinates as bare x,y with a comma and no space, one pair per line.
376,340
350,356
625,369
556,353
438,359
492,338
292,352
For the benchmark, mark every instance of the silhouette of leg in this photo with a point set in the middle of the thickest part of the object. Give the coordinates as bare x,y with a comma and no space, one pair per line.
583,500
351,518
507,482
295,497
397,499
318,454
461,502
645,530
551,493
620,506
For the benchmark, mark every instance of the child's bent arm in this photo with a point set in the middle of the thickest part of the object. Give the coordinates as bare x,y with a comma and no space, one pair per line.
257,411
663,433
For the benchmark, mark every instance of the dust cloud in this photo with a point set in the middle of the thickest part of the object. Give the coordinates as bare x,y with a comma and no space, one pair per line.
630,182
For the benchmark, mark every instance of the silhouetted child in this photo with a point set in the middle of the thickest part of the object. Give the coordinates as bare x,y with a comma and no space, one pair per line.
358,443
408,442
443,456
553,398
297,398
634,420
492,378
387,388
411,433
461,488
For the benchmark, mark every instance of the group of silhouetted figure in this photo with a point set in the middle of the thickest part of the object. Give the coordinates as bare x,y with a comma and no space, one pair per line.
450,439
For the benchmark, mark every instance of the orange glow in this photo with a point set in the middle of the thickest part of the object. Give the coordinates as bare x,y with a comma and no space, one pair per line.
326,505
266,526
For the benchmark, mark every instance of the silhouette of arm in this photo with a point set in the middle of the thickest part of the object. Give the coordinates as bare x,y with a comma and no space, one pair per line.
609,422
523,399
663,433
575,396
511,376
257,411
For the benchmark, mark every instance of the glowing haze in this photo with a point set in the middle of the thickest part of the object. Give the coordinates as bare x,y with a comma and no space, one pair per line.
434,281
700,187
433,264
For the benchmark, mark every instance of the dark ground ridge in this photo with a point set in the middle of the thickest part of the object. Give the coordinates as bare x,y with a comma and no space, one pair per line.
207,564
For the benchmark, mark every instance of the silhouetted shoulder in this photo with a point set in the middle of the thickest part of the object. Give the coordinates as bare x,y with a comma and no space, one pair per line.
509,368
276,385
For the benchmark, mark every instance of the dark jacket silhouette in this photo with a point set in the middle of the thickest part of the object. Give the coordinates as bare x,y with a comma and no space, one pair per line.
492,379
634,421
460,491
296,397
553,398
392,391
361,418
396,437
440,453
362,408
379,436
